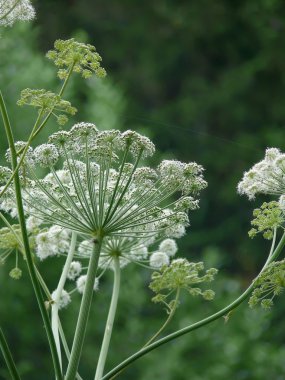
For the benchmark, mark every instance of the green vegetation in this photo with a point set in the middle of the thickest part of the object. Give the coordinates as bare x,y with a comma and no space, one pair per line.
206,81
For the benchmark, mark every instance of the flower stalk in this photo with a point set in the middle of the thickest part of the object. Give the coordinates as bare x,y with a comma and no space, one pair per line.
110,320
26,244
84,310
58,292
225,311
8,357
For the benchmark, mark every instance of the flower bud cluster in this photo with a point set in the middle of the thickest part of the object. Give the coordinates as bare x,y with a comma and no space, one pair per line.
181,274
270,283
79,57
47,102
267,218
265,177
13,10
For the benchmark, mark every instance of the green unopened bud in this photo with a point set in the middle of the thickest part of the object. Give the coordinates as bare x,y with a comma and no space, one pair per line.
15,273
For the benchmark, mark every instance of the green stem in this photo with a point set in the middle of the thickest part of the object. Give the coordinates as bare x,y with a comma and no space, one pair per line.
65,346
84,311
60,94
8,357
58,292
197,325
61,332
110,320
23,155
36,130
170,316
25,238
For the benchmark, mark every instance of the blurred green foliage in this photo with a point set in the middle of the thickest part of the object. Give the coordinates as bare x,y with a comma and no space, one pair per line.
205,80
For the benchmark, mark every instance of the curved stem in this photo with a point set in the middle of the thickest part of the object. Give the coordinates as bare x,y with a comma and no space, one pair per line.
55,304
84,311
195,326
26,244
170,316
110,320
8,357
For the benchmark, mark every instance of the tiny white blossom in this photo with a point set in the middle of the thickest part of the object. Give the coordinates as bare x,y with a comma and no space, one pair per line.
64,299
74,270
81,281
33,223
46,155
158,259
168,246
52,242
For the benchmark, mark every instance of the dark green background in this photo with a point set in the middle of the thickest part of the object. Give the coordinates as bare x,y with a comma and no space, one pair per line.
206,81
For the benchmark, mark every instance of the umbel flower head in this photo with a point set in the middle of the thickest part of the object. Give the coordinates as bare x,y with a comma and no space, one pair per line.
96,187
47,101
265,177
181,274
267,218
13,10
270,283
79,57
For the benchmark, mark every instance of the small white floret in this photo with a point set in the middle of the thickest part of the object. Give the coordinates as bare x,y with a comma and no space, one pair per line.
158,259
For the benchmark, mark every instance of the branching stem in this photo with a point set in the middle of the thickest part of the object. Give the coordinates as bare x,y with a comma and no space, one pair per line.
197,325
28,254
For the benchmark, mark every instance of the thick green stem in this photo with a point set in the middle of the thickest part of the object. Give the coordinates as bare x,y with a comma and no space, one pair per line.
58,292
197,325
26,244
110,320
84,311
8,357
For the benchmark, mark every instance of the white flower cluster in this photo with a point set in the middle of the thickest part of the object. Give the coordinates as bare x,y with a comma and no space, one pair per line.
52,242
98,188
64,299
13,10
265,177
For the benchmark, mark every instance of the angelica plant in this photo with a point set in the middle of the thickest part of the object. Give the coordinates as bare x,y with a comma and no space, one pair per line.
102,207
